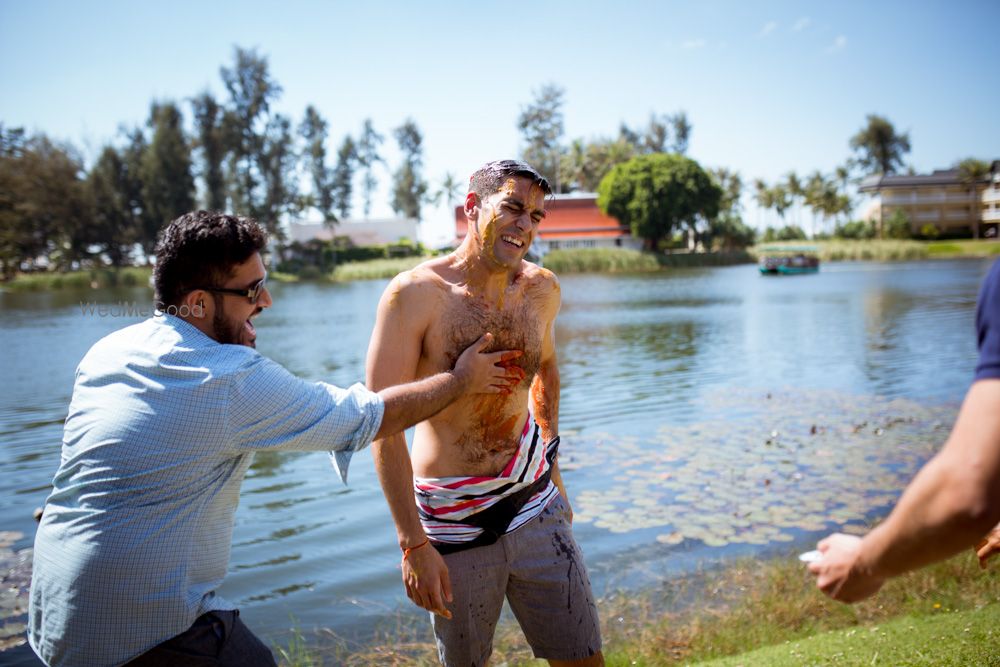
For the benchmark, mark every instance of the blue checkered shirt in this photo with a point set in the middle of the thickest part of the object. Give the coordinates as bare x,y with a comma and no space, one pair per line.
161,430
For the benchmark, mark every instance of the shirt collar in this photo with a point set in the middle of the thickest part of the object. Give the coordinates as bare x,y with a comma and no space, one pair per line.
186,330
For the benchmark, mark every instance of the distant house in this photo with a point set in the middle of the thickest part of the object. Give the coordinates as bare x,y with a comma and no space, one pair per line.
571,221
361,232
940,199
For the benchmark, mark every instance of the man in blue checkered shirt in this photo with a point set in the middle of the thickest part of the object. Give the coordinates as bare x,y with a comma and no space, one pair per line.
164,420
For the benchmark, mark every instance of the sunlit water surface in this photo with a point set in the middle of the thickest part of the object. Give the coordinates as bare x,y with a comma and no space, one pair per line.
705,414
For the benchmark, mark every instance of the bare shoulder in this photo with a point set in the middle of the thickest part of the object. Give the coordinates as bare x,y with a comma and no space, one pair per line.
539,279
419,284
542,285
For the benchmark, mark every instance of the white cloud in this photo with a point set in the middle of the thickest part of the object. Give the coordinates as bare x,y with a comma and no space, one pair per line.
838,44
693,44
801,24
768,28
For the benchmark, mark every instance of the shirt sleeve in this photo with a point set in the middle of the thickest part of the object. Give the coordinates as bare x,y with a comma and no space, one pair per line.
270,408
988,325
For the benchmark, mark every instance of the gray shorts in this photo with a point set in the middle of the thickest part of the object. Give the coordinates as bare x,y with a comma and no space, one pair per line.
540,570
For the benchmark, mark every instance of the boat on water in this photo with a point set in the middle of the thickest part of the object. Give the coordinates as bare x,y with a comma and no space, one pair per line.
788,261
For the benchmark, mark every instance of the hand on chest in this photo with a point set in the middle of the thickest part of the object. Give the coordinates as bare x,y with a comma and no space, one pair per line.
515,325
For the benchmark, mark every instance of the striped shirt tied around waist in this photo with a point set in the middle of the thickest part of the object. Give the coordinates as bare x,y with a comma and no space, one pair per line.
464,512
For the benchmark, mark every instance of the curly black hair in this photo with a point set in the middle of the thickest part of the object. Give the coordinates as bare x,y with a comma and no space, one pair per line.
200,249
488,178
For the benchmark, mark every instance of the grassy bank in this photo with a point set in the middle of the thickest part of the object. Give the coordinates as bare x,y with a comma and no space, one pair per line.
839,251
757,605
132,276
889,250
578,260
963,248
140,276
951,638
750,613
625,260
600,260
375,268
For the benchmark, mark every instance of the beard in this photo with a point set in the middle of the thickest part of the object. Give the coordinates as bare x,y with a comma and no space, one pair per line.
228,331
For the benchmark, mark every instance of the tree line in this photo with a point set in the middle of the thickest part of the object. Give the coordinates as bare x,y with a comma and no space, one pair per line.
644,179
240,155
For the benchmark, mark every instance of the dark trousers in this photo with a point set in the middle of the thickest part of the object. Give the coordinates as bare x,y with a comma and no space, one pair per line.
217,638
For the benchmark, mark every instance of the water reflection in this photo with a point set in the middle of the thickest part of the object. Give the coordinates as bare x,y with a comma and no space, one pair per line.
268,464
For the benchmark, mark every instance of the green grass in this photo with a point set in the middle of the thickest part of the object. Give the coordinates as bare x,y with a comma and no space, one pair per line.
375,268
133,276
600,260
890,250
839,251
948,638
280,277
626,260
963,248
758,605
750,606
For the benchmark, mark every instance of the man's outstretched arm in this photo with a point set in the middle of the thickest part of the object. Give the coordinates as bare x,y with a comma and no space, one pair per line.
475,372
948,507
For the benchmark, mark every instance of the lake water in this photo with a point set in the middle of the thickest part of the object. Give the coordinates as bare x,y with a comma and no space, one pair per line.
705,414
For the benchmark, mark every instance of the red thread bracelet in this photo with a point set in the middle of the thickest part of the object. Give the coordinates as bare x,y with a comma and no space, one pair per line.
408,550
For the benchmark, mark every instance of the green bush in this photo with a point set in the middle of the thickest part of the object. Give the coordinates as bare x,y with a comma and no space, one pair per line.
898,225
320,257
857,230
311,273
930,231
786,233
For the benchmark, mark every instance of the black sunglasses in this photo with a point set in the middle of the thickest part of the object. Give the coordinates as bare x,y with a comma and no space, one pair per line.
253,293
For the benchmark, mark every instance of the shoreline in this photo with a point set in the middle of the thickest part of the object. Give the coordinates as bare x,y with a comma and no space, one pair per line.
584,260
727,613
747,612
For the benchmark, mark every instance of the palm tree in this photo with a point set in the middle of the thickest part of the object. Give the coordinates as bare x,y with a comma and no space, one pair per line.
972,173
795,192
776,197
450,189
880,148
763,195
573,164
781,200
814,196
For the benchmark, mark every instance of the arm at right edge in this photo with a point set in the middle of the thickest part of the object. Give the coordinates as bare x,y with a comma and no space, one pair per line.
953,501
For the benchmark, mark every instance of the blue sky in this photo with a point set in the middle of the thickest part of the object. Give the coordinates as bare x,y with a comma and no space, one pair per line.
768,86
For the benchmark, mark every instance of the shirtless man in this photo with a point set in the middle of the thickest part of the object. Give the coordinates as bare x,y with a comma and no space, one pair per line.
491,517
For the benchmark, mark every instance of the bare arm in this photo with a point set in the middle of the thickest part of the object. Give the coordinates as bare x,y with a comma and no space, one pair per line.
411,403
545,386
948,507
393,355
392,360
